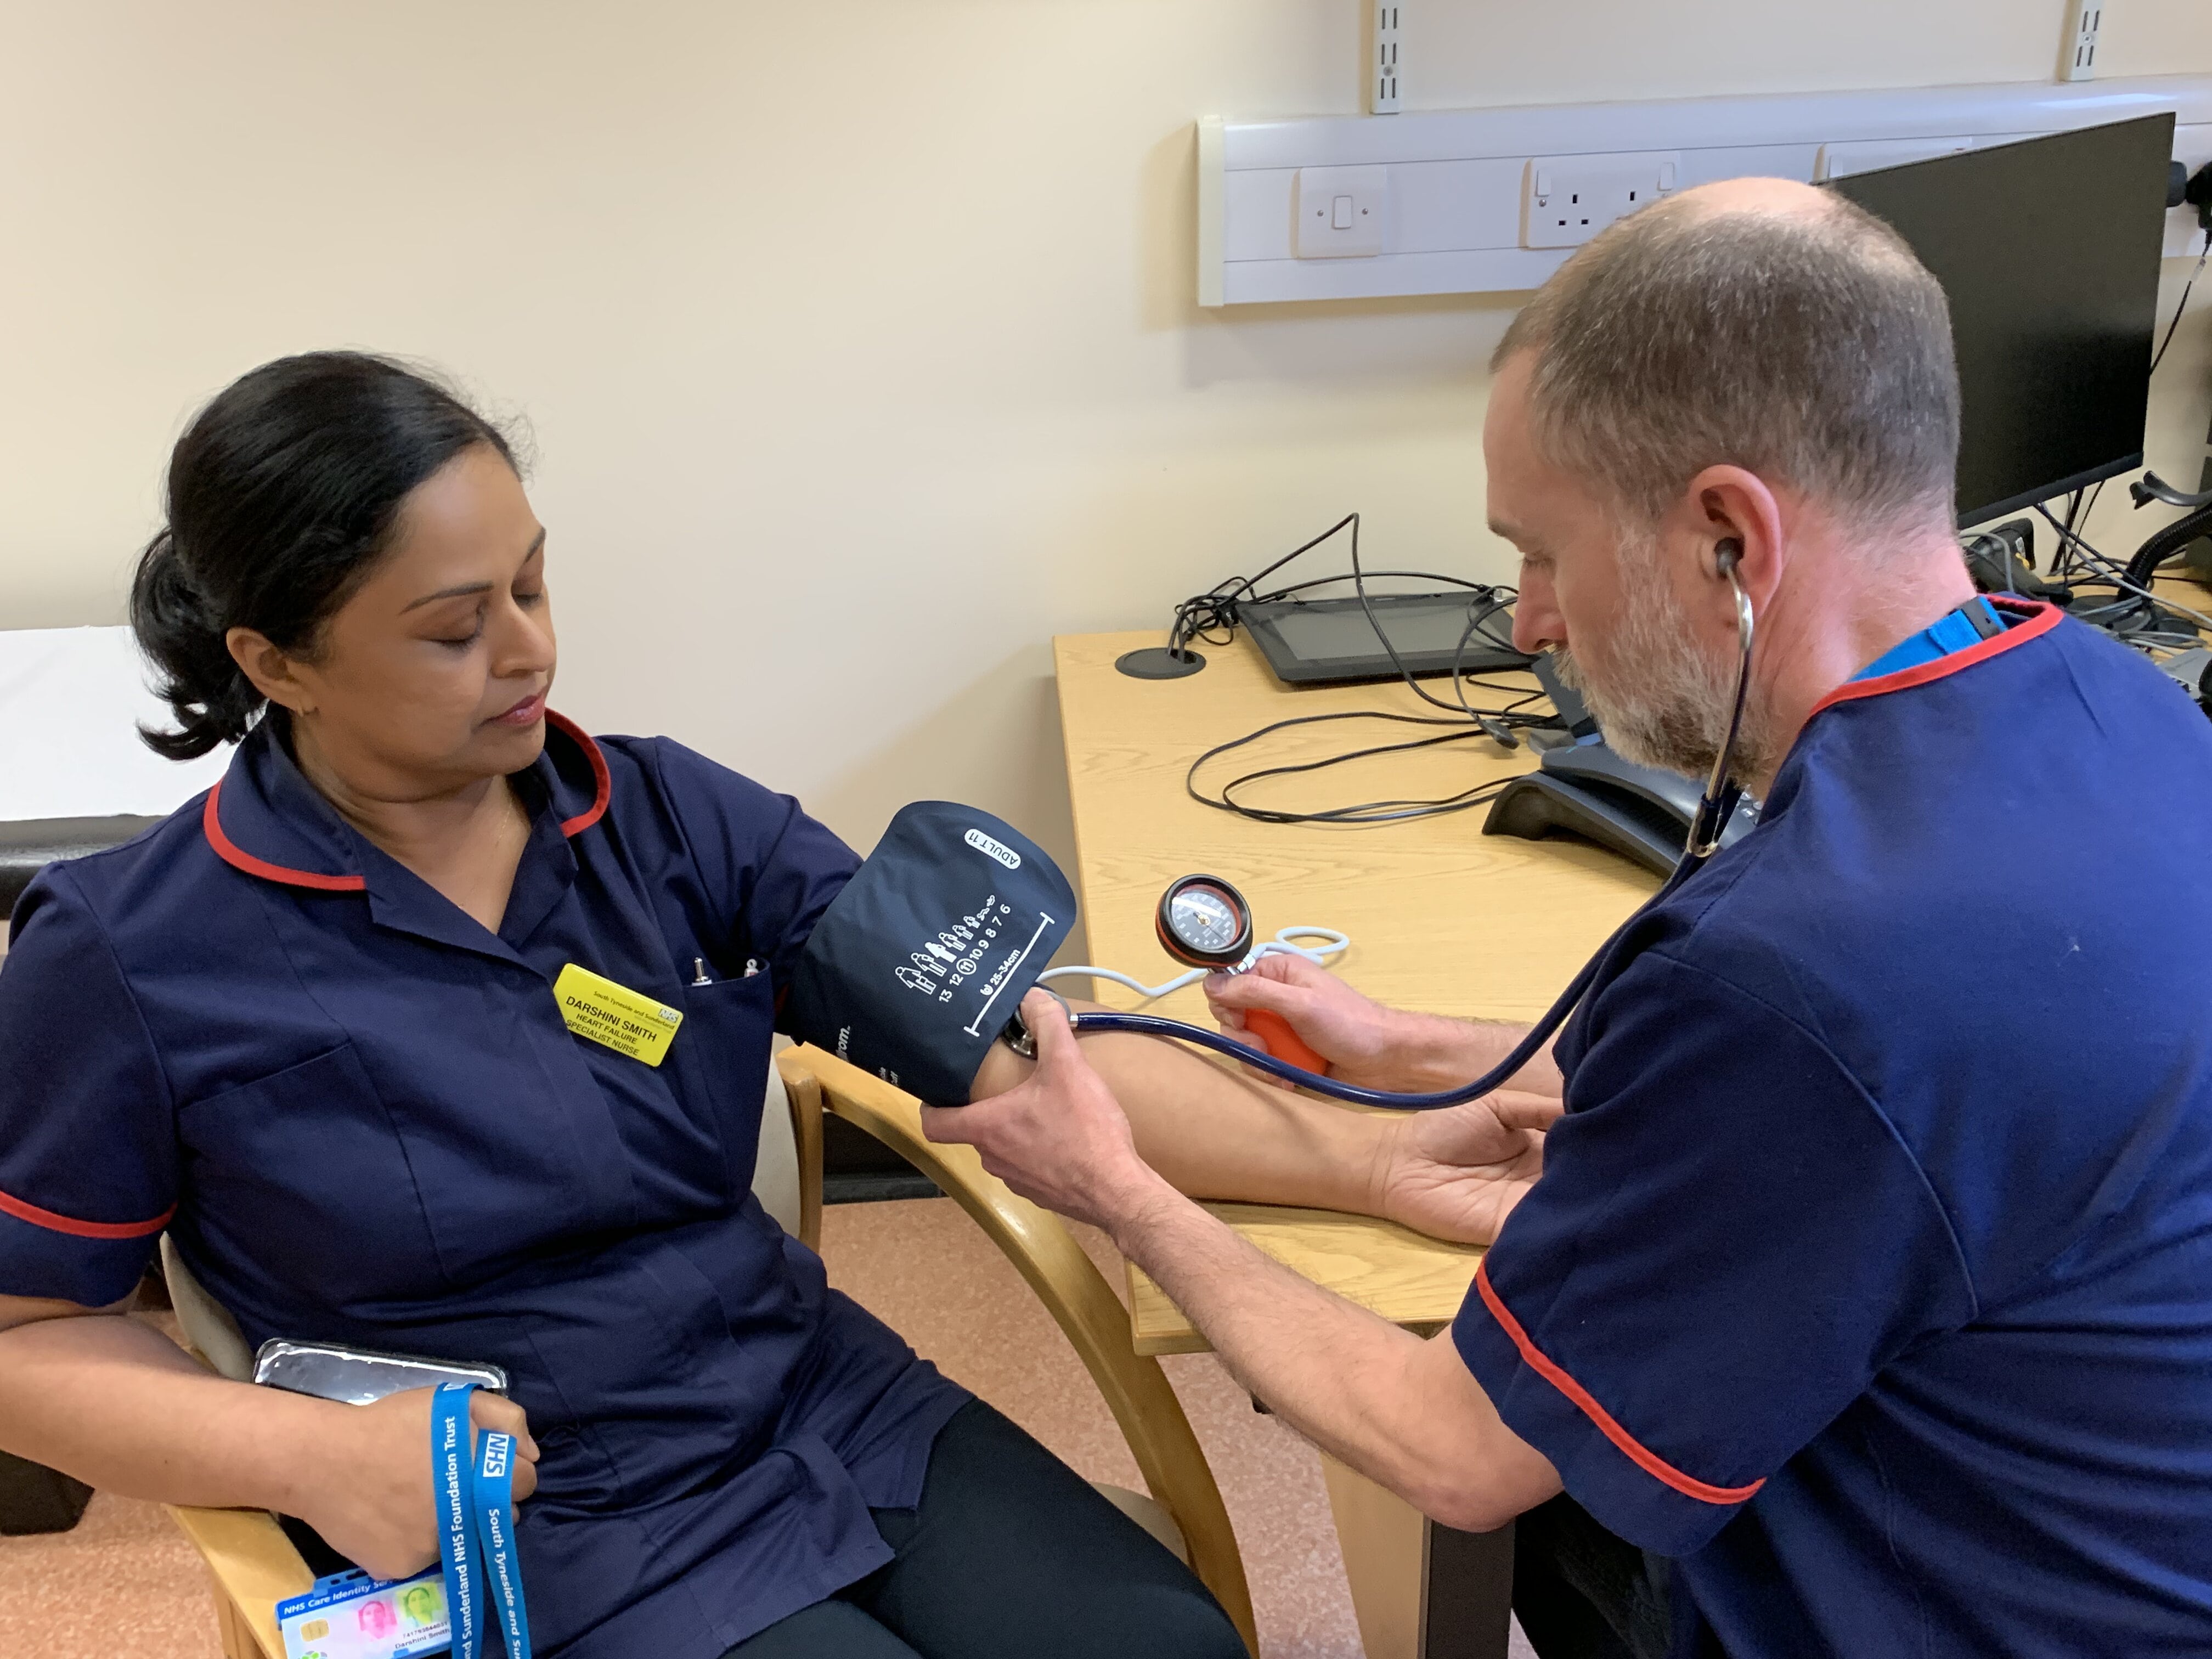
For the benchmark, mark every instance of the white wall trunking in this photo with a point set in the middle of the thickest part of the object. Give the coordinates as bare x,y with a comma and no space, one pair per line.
1486,200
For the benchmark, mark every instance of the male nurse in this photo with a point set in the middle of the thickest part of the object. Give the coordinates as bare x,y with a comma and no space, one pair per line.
1864,1302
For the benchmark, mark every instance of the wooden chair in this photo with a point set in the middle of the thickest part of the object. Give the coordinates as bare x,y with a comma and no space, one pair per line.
255,1566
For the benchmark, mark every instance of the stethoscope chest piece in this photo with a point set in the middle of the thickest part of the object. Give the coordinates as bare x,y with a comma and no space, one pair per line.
1204,922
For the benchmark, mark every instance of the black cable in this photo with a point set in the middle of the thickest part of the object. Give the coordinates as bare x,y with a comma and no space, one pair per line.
1218,606
1214,616
1381,811
1367,608
1217,614
2159,356
2126,592
2077,515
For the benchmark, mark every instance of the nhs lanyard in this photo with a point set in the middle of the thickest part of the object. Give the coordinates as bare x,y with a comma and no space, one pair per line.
475,1521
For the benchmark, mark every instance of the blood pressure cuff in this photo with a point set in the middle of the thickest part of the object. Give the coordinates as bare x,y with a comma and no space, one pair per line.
918,964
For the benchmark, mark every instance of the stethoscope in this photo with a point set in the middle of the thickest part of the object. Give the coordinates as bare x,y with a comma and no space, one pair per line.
1205,922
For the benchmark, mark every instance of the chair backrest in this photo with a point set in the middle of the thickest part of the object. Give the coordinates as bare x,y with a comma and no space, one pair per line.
775,1170
207,1323
208,1326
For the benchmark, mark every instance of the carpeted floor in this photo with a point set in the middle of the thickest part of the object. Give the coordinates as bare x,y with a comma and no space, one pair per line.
125,1581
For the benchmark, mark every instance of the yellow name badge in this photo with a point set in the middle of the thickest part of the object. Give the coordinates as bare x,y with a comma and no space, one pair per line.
614,1015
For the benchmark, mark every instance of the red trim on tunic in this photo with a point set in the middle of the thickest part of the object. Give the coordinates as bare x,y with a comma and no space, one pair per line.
2041,619
62,1223
1650,1461
231,853
603,787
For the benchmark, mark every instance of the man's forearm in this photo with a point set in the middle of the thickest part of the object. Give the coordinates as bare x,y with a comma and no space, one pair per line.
1378,1399
1436,1052
121,1407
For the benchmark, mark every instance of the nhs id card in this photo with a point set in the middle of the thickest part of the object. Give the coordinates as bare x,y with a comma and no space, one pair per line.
626,1021
353,1616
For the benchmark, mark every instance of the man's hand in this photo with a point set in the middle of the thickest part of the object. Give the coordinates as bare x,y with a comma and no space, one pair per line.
1357,1035
1060,1139
373,1498
1457,1173
1364,1042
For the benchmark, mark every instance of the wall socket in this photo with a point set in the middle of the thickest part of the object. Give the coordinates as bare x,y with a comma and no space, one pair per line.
2077,59
1383,51
1567,199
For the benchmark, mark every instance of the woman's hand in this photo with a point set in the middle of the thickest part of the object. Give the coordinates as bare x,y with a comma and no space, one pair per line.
373,1498
1457,1173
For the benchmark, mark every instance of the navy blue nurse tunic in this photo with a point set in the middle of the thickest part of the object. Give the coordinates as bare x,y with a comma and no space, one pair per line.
1870,1275
361,1119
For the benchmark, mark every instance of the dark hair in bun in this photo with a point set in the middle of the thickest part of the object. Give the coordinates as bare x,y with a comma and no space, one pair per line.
281,494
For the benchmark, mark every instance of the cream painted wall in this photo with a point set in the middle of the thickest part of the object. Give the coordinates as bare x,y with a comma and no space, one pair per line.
858,346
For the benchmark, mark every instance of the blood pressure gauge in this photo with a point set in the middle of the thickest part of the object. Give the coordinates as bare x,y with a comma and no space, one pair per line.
1204,922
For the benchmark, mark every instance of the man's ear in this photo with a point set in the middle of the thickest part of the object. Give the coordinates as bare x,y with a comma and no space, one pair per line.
271,670
1730,504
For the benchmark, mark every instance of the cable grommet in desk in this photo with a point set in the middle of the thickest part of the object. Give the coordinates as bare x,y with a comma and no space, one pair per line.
1156,662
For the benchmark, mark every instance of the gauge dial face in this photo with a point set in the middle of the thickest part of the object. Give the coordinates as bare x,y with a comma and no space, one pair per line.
1203,918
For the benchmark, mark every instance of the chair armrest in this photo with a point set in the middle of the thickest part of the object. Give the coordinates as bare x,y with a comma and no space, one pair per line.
254,1566
1079,1297
253,1563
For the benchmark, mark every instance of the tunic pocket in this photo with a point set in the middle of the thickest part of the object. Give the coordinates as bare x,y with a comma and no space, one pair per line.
723,1049
298,1179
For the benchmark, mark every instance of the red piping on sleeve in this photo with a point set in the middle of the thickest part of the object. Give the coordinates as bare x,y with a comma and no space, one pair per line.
62,1223
2041,619
231,853
1650,1461
603,785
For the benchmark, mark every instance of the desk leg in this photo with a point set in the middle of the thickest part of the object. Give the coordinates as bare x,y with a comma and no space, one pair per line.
1419,1590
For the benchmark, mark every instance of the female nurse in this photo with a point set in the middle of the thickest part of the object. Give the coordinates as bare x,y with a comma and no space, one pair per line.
308,1027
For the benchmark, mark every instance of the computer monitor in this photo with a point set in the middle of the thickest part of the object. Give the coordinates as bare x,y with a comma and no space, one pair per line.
2049,250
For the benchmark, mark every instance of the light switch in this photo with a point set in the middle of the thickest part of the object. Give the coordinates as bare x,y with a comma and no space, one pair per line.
1340,212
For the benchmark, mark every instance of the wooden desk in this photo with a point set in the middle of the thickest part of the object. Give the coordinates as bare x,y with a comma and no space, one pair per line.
1442,917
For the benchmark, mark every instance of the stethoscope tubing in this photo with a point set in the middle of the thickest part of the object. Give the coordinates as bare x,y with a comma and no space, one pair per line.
1541,1032
1715,808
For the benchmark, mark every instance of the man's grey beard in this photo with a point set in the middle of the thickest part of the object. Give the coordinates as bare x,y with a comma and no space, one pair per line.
1671,705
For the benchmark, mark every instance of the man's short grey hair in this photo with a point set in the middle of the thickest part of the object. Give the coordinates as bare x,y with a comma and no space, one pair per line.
1809,347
